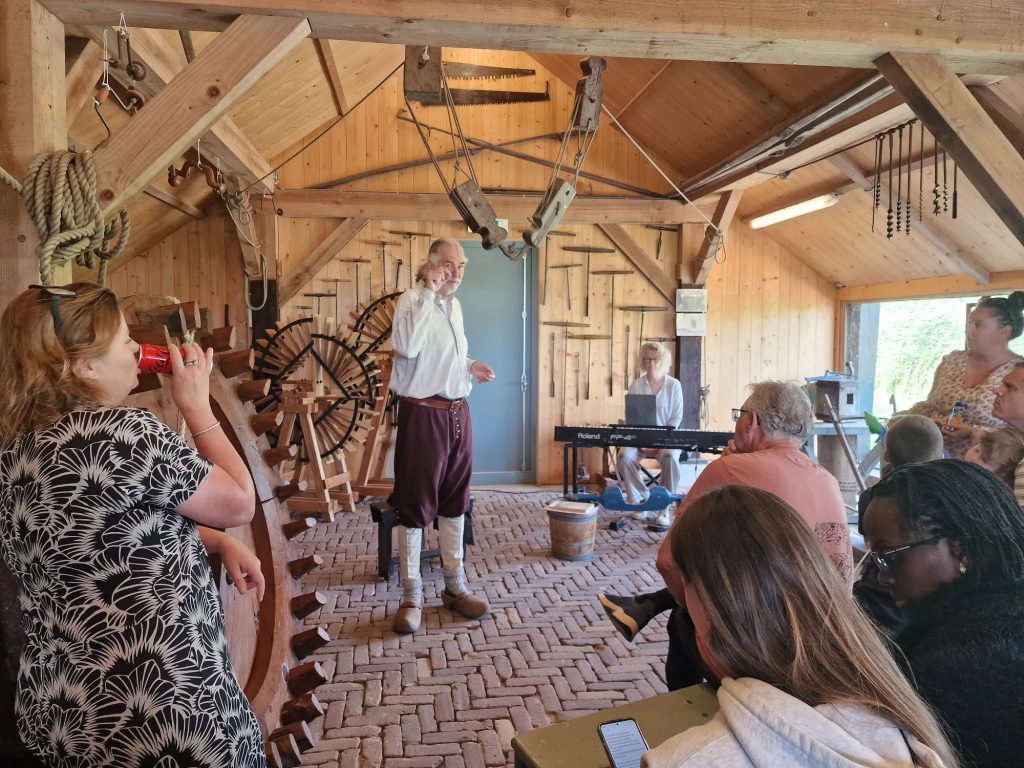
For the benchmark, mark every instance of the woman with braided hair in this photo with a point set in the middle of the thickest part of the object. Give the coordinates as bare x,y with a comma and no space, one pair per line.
971,375
948,539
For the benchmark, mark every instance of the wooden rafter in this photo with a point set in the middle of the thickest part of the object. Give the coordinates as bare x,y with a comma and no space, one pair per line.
330,67
307,267
958,122
1003,113
722,218
341,203
174,201
788,134
977,37
645,264
191,103
80,82
224,141
958,255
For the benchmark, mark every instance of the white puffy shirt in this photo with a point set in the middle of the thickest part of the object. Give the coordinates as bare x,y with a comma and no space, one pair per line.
431,350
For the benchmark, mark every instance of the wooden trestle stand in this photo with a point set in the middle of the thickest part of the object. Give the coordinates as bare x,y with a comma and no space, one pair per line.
322,494
370,479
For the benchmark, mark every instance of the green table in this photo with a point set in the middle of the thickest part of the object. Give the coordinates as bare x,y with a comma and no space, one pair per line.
575,743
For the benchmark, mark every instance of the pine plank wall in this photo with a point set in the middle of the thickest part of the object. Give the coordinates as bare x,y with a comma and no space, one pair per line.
770,315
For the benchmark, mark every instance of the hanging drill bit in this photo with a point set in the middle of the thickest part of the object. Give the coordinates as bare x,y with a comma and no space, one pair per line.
910,173
879,138
955,168
935,187
920,181
899,183
888,215
945,189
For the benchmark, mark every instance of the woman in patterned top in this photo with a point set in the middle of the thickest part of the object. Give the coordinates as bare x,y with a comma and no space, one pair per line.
103,520
971,375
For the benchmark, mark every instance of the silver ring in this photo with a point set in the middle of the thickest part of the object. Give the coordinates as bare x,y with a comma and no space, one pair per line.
191,362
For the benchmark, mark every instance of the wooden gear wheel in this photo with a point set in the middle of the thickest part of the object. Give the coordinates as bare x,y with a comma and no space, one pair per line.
309,355
268,641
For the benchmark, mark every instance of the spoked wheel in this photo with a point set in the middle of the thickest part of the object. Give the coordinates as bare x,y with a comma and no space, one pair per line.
372,322
309,353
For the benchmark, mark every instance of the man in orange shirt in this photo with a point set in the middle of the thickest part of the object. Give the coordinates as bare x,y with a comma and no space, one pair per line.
771,428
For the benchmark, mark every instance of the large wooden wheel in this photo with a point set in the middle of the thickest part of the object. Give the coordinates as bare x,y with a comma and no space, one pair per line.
310,354
268,641
372,322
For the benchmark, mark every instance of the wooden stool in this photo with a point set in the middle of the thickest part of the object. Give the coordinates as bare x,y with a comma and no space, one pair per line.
386,517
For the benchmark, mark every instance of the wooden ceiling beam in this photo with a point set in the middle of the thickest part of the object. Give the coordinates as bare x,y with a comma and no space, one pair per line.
957,120
191,103
329,65
788,134
81,78
976,37
929,287
961,258
306,268
1003,114
712,242
224,141
409,206
174,202
645,264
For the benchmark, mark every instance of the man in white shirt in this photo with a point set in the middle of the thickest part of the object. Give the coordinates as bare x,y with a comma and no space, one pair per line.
432,375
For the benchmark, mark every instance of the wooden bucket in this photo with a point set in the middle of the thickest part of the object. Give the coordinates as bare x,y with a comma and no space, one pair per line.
572,534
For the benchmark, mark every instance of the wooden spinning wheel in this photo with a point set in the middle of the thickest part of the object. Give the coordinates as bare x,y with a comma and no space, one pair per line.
372,323
268,641
308,354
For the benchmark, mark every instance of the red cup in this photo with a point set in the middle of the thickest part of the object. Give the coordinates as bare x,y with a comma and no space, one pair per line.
153,359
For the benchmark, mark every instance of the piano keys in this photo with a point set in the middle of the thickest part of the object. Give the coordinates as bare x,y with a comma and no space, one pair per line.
638,437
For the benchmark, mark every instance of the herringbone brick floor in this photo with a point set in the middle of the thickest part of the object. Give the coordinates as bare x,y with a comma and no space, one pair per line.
455,693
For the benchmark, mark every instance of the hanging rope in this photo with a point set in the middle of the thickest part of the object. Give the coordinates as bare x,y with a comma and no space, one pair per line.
59,192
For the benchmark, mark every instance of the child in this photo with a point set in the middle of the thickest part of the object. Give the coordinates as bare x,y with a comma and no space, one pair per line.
999,451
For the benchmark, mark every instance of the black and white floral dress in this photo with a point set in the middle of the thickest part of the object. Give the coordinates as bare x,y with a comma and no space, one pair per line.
127,662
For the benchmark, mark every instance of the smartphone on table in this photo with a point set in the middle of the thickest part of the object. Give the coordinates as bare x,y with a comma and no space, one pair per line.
623,742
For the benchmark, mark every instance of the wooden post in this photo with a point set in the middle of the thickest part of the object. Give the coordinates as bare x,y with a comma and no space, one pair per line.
32,97
32,102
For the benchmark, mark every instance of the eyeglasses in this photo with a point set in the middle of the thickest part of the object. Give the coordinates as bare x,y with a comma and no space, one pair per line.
55,294
737,412
887,558
648,359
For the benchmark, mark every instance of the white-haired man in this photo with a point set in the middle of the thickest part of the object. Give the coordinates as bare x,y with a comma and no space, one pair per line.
432,375
771,427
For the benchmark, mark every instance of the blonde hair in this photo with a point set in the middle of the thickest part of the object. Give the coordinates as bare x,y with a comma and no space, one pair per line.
38,384
779,612
1002,450
664,356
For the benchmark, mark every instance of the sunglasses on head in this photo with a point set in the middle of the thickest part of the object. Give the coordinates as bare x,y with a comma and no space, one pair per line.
55,294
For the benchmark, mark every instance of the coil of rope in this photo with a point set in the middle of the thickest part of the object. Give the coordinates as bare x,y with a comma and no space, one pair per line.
59,192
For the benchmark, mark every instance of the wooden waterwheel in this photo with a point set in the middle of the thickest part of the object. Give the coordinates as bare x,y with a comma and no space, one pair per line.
269,643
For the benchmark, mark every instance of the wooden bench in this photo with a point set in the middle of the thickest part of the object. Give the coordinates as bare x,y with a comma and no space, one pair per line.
386,517
575,743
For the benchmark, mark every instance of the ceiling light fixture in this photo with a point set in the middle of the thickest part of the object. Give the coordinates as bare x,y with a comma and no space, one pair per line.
792,211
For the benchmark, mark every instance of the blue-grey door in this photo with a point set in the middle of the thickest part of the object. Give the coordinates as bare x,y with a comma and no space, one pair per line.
497,297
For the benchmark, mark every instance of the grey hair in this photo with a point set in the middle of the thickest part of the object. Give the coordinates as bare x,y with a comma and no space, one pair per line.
664,355
782,409
434,254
